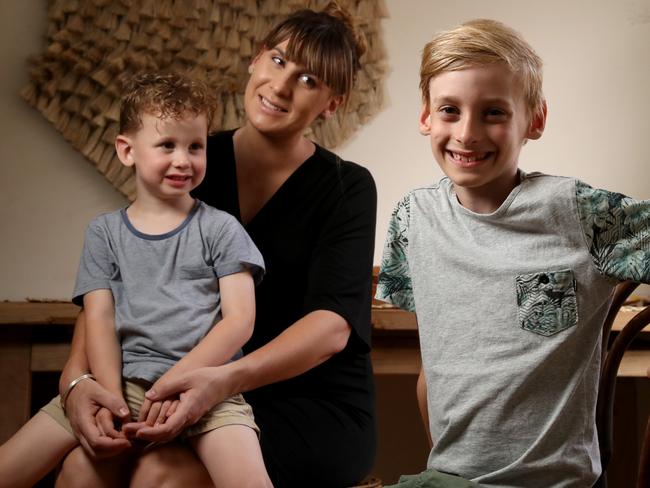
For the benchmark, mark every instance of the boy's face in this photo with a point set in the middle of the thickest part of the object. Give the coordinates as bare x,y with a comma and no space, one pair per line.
169,155
477,122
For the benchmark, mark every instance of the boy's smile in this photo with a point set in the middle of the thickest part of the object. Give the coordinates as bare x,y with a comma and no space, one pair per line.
477,121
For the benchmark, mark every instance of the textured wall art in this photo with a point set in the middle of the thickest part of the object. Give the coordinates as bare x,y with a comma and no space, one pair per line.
93,45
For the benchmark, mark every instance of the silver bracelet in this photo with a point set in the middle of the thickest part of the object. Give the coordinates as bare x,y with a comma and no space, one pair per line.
73,383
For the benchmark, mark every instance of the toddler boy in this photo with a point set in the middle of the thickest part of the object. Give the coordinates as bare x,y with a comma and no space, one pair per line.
167,285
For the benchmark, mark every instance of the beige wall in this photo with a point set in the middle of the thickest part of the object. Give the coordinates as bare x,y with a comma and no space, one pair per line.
596,79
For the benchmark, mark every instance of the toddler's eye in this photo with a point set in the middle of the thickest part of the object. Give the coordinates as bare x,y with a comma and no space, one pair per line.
167,145
197,146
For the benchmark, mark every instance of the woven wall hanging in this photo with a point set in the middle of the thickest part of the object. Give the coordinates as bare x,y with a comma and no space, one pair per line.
93,45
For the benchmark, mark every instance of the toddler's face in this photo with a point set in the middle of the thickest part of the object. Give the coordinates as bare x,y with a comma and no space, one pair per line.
477,123
169,155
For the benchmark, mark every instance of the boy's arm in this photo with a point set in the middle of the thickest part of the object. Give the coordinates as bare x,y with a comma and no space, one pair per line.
233,330
421,392
226,338
102,346
617,232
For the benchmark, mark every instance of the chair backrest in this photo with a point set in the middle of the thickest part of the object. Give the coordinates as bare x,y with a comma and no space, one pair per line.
612,356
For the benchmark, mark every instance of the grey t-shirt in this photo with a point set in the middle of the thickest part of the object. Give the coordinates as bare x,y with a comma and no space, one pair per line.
165,287
510,307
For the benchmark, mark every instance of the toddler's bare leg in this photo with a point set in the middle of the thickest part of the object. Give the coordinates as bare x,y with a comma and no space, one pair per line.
33,451
170,465
233,457
79,470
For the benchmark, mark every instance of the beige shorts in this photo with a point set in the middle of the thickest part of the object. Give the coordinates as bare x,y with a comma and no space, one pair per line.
232,411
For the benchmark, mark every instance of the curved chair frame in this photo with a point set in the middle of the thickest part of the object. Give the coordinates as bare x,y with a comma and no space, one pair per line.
611,361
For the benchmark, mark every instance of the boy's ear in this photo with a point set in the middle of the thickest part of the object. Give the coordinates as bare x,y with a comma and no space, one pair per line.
425,120
538,123
333,104
124,150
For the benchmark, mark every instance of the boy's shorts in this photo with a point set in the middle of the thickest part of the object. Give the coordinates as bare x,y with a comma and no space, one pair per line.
232,411
432,479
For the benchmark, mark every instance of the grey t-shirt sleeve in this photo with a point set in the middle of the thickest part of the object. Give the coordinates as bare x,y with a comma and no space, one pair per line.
617,232
96,265
394,285
234,251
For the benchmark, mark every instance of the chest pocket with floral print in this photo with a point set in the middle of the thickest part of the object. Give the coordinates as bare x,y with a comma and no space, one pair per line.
547,302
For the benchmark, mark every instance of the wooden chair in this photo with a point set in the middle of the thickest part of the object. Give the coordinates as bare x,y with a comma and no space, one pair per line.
612,356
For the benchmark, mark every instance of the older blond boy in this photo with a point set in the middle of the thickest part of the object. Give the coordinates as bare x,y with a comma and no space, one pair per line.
509,273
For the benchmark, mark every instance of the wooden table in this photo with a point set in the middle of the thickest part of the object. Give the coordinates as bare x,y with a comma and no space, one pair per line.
35,337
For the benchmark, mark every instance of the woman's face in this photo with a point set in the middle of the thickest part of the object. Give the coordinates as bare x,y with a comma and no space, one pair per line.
282,98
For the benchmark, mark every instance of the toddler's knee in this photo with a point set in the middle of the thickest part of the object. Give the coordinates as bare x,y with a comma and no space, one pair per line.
170,466
150,471
76,471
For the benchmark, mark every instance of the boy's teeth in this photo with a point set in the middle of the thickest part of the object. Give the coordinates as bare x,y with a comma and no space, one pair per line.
467,159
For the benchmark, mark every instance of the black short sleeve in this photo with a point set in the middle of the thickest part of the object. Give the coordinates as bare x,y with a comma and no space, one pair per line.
340,271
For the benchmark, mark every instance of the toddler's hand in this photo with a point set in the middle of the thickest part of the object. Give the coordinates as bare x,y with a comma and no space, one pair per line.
106,424
152,413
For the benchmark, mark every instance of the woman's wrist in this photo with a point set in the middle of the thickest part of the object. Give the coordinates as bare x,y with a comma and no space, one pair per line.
239,376
71,386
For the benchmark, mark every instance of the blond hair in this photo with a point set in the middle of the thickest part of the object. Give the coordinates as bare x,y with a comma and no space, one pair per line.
482,42
167,95
327,43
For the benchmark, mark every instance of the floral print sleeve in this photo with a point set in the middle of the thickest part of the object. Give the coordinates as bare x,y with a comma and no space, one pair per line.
617,230
394,284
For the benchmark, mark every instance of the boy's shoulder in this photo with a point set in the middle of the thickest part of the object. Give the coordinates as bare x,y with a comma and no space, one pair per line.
432,190
107,219
207,214
213,224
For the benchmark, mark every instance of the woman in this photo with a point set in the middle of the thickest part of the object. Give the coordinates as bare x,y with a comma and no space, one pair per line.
306,370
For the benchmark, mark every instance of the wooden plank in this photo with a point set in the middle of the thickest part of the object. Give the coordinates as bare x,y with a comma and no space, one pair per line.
625,314
635,364
38,313
395,360
393,319
49,357
15,379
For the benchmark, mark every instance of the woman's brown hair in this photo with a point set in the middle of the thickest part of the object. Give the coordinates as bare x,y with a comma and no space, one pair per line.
327,43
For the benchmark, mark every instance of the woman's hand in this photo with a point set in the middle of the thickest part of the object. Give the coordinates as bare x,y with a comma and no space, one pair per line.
198,391
83,405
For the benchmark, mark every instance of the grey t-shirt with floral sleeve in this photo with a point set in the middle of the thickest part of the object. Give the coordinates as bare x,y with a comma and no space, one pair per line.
510,307
165,287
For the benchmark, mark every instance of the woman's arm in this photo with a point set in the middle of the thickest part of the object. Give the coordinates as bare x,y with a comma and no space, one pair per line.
87,397
307,343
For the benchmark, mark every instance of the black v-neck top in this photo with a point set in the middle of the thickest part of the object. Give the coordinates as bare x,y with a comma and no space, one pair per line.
316,234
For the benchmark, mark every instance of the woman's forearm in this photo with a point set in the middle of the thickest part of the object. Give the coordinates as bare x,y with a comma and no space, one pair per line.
307,343
77,362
